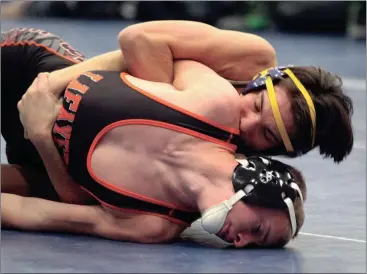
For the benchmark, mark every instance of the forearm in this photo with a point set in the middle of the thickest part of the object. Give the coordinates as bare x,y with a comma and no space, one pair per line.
148,57
11,211
65,186
34,214
18,213
112,61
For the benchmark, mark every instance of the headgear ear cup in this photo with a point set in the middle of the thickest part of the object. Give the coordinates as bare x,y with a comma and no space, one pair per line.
214,217
198,234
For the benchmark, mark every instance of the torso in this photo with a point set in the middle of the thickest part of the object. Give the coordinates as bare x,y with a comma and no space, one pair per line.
163,164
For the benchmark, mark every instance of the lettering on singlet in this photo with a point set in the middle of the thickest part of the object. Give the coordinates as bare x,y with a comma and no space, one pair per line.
64,123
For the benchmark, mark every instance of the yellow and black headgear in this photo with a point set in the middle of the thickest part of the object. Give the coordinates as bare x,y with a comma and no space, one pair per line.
266,79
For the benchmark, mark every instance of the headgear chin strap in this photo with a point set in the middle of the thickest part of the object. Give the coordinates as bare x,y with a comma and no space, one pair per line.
265,79
259,181
213,218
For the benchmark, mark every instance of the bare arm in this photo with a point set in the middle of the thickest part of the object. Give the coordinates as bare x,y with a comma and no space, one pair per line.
150,49
113,61
34,214
67,189
38,110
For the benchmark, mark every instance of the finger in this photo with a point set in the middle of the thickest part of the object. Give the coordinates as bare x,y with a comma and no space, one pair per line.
26,135
19,105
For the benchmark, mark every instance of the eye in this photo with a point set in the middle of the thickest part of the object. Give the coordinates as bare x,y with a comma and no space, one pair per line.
256,230
256,106
269,137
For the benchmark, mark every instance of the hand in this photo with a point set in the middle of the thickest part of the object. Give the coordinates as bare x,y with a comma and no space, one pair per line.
38,109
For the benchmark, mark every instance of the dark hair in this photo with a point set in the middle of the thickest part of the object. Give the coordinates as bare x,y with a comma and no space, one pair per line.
334,132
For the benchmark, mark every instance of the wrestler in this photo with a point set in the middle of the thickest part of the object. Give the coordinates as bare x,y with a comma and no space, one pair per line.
153,172
97,77
24,213
150,49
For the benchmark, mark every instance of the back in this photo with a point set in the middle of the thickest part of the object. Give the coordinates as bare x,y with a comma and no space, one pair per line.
198,89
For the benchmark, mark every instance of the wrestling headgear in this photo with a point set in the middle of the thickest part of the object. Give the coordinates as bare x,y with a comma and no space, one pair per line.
259,181
266,79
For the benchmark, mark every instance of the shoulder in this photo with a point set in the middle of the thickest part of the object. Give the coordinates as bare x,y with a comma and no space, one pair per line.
210,94
221,102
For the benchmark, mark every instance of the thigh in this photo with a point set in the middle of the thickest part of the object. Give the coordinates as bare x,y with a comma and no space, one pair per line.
27,181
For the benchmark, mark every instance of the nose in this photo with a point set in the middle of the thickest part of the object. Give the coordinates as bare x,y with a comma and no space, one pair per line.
242,239
249,122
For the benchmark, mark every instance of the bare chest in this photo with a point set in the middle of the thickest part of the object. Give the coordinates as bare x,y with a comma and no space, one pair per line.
154,164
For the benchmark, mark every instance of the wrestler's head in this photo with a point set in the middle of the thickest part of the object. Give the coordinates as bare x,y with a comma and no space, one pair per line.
331,129
251,225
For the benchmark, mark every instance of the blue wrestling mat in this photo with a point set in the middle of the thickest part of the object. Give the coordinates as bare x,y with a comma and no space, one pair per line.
334,235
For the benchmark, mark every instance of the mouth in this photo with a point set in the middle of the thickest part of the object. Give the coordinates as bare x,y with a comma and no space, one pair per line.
223,233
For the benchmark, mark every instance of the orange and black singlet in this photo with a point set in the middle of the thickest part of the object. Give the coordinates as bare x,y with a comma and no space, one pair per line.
99,101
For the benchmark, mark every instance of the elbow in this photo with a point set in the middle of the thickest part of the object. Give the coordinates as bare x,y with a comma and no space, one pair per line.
270,57
267,55
124,35
264,58
130,37
262,54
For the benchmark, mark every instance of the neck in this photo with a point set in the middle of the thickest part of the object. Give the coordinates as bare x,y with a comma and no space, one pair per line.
216,187
210,197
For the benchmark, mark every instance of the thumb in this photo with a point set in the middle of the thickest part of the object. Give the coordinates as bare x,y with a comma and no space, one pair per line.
26,134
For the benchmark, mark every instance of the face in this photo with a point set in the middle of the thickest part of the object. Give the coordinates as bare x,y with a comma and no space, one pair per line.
257,125
247,225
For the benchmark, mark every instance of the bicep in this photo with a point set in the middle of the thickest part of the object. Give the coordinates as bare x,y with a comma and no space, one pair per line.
186,39
232,54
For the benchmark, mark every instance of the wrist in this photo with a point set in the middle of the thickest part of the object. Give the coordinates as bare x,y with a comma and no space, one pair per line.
42,138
